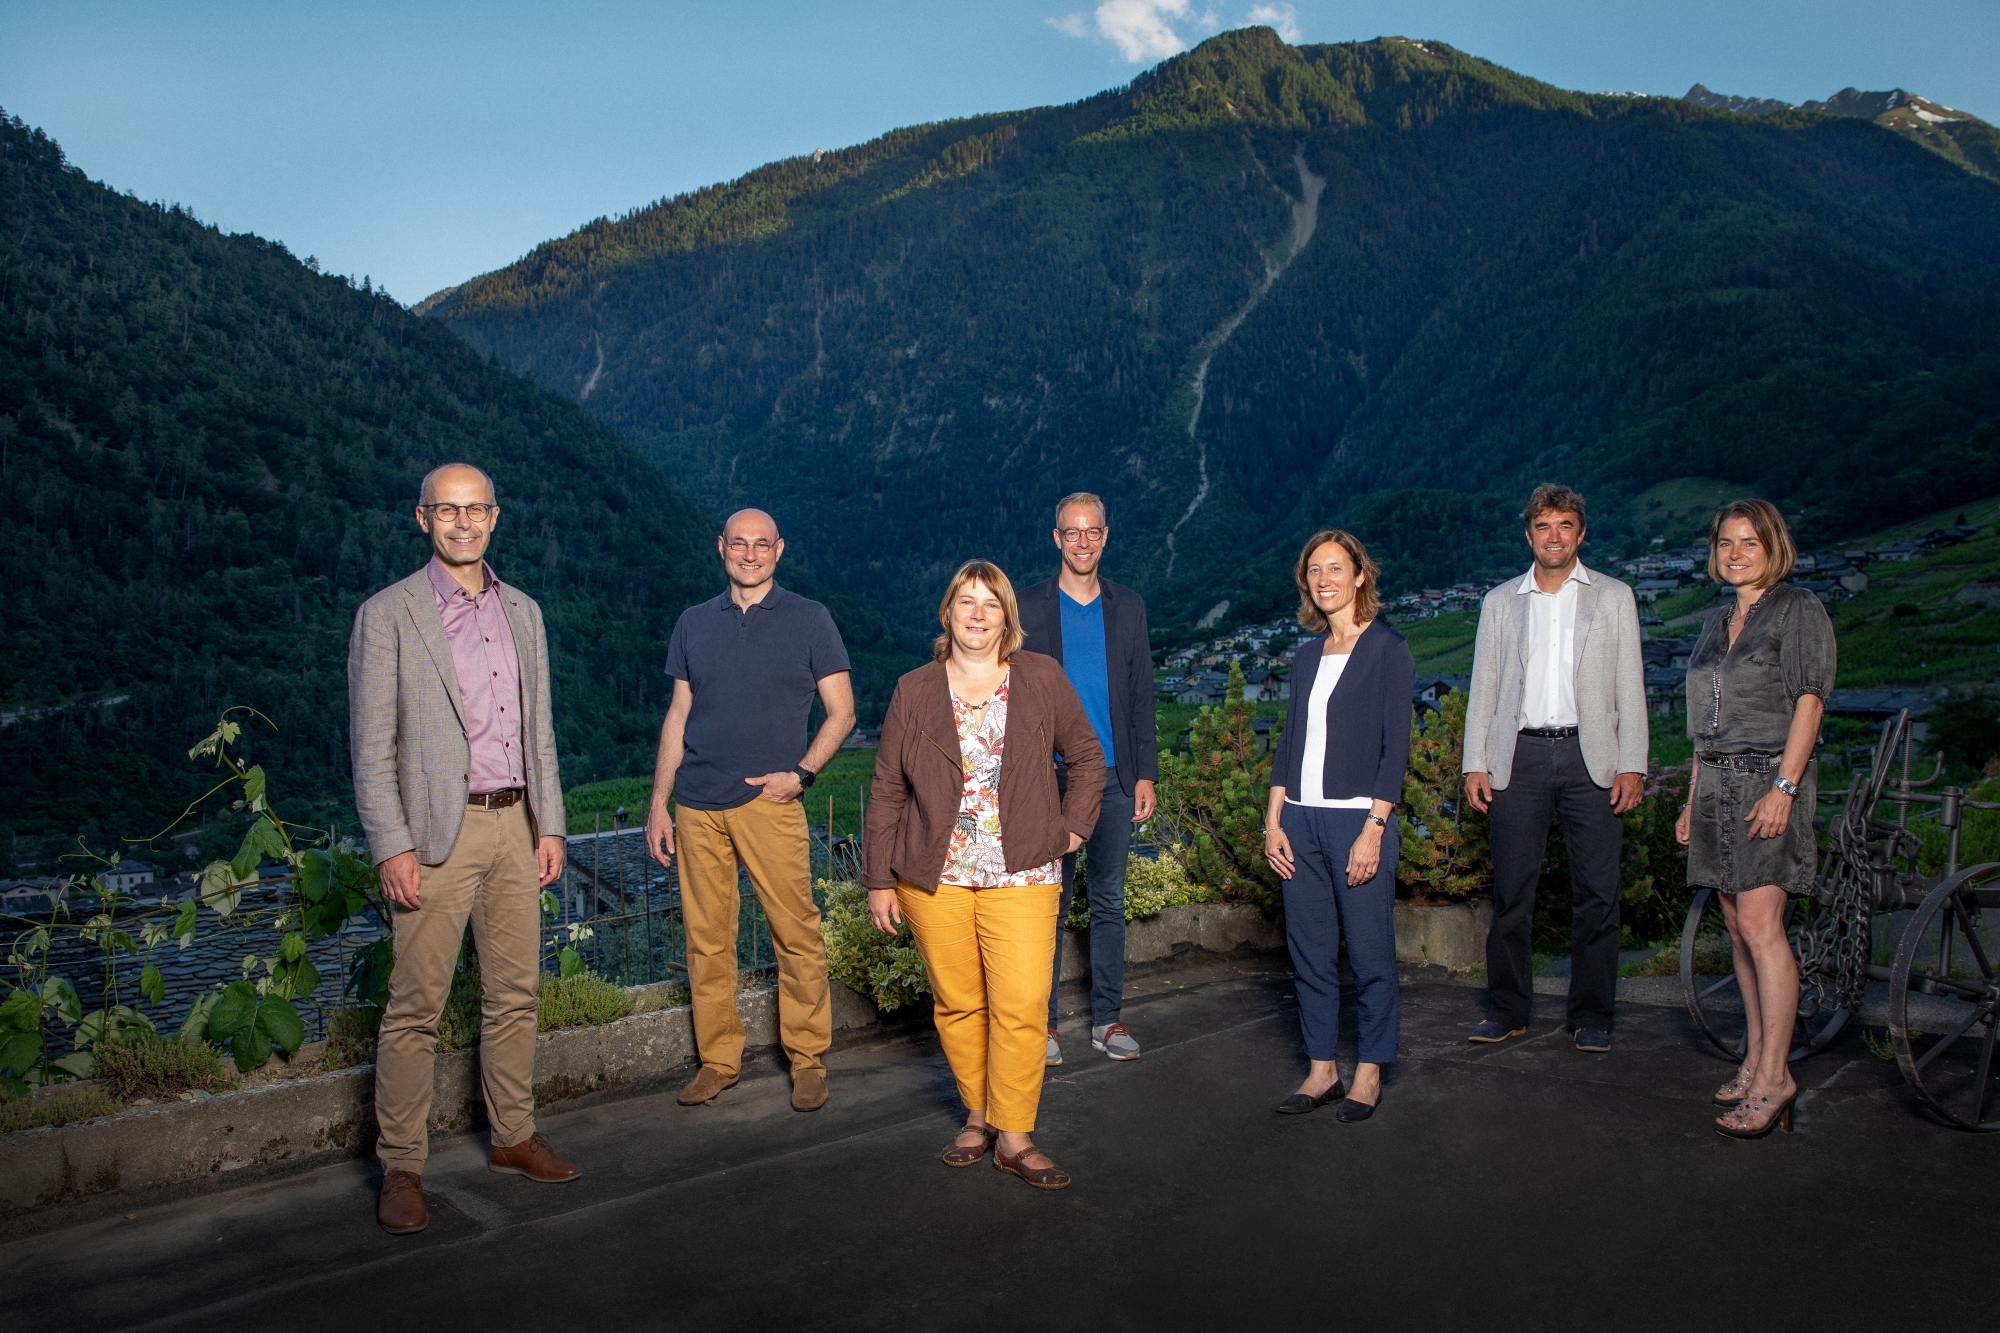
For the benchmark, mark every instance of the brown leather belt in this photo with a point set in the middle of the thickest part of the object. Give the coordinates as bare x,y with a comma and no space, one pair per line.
496,800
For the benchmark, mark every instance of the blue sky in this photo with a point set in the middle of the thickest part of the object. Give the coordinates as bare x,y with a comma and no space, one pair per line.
422,143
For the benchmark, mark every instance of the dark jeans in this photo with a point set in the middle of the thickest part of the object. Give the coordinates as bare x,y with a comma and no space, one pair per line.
1321,906
1549,779
1108,846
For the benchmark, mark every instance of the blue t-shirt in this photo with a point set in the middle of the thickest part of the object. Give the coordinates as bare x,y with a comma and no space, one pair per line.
1085,665
755,674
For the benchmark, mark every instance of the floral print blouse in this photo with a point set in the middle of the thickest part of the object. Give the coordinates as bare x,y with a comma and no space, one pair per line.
974,857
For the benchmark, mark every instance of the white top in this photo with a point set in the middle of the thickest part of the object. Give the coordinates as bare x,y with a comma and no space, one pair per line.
1312,769
1548,692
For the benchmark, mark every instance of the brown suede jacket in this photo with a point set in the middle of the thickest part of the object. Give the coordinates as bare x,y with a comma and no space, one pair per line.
919,779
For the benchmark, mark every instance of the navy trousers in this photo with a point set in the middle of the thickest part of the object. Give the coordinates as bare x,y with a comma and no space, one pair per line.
1108,848
1320,908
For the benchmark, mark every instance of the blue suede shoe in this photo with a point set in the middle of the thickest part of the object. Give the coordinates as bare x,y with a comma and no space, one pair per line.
1593,1041
1492,1032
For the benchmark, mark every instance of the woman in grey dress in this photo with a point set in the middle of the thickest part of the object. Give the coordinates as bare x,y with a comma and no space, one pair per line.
1757,684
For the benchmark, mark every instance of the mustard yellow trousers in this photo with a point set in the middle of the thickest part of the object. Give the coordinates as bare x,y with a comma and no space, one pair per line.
987,952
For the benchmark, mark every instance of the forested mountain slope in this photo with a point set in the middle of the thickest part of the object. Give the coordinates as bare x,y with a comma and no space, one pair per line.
1267,287
208,456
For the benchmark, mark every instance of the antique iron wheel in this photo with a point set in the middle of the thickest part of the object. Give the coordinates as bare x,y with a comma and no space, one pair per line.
1714,998
1948,959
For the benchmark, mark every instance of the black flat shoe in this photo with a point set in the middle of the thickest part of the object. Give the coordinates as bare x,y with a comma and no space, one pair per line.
1300,1104
1351,1111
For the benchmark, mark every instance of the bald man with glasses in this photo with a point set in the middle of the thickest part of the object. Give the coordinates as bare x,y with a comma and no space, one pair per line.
747,666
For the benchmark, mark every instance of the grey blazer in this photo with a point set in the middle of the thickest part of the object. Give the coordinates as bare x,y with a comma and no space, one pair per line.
406,731
1610,681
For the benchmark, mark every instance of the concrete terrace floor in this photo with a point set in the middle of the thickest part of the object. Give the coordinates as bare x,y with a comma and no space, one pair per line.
1520,1187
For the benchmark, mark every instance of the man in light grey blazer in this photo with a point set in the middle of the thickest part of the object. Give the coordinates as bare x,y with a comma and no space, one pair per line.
1556,724
456,783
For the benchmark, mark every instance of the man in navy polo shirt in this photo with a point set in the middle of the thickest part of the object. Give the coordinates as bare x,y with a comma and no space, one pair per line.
1097,630
746,667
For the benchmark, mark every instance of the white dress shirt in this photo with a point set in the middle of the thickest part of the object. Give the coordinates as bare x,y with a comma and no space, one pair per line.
1548,691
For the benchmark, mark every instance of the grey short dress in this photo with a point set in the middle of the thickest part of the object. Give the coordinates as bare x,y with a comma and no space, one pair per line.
1739,705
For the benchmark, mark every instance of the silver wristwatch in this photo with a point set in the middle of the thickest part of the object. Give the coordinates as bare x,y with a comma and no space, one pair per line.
1785,785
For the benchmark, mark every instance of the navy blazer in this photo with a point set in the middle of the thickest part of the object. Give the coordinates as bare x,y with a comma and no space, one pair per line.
1128,660
1367,718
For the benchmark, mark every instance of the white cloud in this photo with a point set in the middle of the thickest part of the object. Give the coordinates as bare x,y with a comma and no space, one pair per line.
1284,18
1145,30
1140,28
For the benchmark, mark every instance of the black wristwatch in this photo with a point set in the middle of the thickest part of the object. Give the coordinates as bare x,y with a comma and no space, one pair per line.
806,776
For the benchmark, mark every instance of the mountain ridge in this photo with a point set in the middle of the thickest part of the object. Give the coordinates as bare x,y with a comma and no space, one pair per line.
1508,281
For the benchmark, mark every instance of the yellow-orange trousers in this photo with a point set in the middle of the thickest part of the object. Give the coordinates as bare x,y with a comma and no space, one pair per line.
987,952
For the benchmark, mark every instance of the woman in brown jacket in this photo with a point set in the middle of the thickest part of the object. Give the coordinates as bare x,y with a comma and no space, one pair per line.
965,838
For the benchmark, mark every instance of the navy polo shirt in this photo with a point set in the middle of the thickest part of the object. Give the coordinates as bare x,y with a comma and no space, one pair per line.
755,674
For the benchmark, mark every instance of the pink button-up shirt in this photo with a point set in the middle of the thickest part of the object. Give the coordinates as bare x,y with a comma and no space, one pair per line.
489,679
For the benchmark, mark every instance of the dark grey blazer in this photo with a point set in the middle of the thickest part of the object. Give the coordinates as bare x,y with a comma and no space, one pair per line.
1128,658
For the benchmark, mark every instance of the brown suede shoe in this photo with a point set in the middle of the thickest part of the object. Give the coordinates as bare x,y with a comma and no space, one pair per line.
401,1209
707,1085
533,1158
809,1090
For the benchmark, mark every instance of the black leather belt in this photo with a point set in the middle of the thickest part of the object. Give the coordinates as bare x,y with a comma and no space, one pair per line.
1549,733
496,800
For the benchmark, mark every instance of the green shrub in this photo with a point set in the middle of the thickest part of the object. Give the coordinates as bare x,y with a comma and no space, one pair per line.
1445,853
1150,886
64,1108
145,1065
580,1000
350,1036
886,968
1212,802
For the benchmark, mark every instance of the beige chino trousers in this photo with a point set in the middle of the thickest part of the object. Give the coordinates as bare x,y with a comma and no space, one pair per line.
769,837
491,880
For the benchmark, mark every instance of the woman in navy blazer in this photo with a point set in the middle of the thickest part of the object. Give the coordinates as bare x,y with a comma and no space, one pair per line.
1330,831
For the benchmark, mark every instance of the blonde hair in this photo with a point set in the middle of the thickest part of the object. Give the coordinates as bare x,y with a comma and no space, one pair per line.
990,574
1367,602
1769,525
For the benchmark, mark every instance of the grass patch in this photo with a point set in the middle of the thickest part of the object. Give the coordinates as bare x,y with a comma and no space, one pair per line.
1680,510
840,790
150,1066
581,1000
350,1037
64,1108
1442,645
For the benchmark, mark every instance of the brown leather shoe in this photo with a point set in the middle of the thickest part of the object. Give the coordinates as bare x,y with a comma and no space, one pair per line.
809,1090
533,1158
707,1085
401,1209
1050,1177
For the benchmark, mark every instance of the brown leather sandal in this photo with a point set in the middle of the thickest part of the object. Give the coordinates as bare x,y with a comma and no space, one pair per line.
954,1155
1050,1177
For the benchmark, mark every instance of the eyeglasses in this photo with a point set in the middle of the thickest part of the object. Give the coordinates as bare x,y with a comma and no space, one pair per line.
448,513
739,546
1071,536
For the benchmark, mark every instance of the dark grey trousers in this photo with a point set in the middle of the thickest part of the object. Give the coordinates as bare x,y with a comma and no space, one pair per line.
1549,779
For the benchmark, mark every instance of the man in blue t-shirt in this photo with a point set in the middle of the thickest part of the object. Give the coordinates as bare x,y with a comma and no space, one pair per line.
1097,630
747,666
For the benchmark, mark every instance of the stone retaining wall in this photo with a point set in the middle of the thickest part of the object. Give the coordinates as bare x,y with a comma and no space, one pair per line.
304,1120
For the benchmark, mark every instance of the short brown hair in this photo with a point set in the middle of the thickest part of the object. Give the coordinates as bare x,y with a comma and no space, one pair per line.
1770,527
990,574
1367,601
1553,497
1083,498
